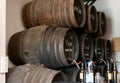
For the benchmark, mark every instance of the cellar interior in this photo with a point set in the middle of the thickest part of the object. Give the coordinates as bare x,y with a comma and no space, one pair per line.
52,41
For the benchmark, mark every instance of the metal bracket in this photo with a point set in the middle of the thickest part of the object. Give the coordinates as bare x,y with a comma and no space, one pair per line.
89,2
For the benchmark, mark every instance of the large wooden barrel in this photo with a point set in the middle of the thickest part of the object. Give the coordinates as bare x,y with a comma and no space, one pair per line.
102,24
35,74
54,12
52,46
91,24
86,50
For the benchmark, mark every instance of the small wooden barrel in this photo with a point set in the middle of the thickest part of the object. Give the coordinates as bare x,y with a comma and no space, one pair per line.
86,50
102,24
98,50
107,49
91,24
26,15
52,46
35,74
68,13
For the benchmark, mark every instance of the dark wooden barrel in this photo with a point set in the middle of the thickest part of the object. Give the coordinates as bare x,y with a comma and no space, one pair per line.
86,50
72,74
35,74
52,46
98,50
91,24
55,12
107,49
102,25
86,47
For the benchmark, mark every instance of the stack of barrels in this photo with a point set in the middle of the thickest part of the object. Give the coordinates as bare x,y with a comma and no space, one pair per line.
59,35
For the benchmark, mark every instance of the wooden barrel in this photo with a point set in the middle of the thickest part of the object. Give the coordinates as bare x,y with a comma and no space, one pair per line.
35,74
86,49
102,24
107,49
91,24
52,46
98,50
70,13
29,14
72,74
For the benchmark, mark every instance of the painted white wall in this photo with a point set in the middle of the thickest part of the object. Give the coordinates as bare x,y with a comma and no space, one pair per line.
2,26
2,34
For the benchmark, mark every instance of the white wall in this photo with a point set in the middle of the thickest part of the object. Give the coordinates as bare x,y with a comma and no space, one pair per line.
2,34
2,26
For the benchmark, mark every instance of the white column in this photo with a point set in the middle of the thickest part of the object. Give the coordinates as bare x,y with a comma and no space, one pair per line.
2,34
